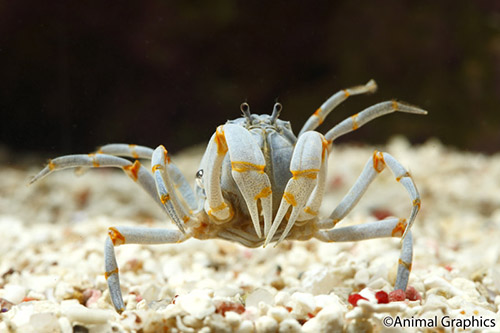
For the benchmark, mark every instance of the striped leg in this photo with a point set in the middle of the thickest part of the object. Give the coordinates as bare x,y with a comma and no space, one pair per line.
128,150
131,235
135,170
379,229
356,121
135,151
317,118
177,208
373,167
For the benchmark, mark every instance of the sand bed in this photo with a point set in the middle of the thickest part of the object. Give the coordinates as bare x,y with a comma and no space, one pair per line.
51,267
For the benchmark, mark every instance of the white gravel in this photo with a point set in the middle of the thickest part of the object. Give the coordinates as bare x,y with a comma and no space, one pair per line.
52,241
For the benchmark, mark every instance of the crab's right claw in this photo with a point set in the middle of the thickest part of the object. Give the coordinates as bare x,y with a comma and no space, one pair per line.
248,164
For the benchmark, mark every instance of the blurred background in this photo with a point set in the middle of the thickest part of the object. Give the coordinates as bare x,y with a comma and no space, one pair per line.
76,75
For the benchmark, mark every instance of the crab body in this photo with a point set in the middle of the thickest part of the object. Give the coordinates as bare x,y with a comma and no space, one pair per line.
257,183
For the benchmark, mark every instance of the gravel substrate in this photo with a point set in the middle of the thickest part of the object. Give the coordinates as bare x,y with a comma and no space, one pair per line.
53,232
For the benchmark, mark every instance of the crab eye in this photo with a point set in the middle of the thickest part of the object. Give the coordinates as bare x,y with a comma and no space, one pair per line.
199,178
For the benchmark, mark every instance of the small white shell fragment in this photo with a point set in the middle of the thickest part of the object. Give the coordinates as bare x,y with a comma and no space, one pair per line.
327,320
197,303
279,313
266,324
259,295
290,325
303,303
14,293
77,312
319,281
246,326
44,322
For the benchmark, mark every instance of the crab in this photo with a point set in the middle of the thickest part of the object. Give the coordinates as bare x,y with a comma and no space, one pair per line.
257,183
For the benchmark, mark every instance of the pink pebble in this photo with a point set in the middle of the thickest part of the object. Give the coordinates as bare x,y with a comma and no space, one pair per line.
412,294
397,295
92,296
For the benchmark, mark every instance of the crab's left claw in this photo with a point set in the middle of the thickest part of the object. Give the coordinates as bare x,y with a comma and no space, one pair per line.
248,164
307,160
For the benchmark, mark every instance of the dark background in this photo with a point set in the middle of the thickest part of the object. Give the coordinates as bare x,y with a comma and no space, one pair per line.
76,75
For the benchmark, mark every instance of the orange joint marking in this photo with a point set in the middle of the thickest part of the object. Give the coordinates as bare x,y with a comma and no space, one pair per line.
395,105
157,167
51,165
185,219
220,140
166,158
355,124
266,191
346,93
222,206
325,143
132,150
319,113
242,166
309,173
99,151
407,174
290,198
133,170
164,198
309,211
95,164
399,229
378,161
116,237
405,264
417,202
108,274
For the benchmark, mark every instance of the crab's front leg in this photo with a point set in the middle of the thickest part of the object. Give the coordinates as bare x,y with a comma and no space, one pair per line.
131,235
307,161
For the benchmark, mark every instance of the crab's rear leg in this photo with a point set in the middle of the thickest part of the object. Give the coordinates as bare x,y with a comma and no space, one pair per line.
136,171
307,160
131,235
136,151
124,149
375,165
386,228
331,103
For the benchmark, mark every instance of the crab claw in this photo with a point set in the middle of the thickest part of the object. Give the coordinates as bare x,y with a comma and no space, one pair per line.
248,164
305,166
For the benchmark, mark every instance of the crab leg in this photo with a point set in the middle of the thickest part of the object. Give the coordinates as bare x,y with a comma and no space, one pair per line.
166,189
135,170
373,167
216,207
356,121
131,235
311,209
386,228
135,151
322,112
307,159
124,149
247,164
